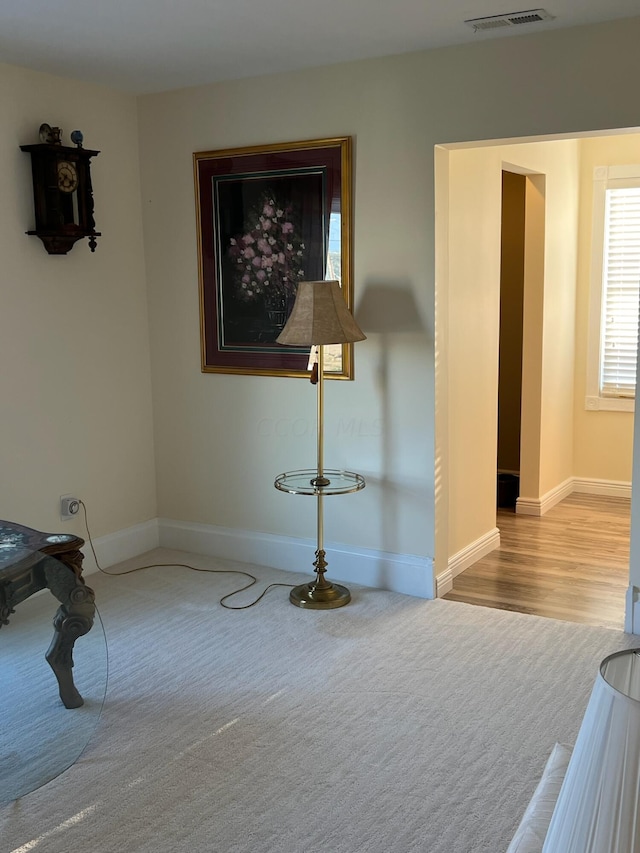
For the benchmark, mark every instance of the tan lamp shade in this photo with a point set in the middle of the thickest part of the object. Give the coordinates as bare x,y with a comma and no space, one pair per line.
320,316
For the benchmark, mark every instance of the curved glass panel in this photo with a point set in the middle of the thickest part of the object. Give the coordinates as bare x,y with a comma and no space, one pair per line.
39,736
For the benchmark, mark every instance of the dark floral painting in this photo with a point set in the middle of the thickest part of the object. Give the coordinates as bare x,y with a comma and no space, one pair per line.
271,236
268,219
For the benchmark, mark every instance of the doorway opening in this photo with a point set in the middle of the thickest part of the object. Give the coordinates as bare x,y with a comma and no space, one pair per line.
563,447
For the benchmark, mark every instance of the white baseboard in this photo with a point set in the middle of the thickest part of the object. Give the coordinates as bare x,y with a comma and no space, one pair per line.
465,558
538,506
122,545
611,488
584,485
411,575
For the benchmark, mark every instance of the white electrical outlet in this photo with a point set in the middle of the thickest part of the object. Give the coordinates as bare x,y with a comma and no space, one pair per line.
69,506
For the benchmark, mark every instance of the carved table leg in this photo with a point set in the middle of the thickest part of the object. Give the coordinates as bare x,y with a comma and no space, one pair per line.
73,618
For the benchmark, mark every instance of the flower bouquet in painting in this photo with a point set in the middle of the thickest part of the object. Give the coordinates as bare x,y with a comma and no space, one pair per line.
268,258
272,237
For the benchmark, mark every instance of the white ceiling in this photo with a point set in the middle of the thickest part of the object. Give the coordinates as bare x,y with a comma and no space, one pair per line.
155,45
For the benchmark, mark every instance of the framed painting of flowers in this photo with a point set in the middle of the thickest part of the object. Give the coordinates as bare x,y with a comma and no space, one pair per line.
269,217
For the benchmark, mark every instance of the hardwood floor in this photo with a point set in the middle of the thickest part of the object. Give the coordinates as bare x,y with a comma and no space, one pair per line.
571,564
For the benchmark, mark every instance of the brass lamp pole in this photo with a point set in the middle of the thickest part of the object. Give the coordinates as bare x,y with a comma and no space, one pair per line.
321,591
320,316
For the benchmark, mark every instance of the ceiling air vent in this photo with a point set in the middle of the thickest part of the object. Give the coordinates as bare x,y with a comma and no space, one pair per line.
510,19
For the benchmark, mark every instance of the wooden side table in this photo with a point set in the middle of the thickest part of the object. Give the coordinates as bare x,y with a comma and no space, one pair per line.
30,561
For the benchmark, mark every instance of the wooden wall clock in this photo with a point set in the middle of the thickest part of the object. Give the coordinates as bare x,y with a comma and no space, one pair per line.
62,192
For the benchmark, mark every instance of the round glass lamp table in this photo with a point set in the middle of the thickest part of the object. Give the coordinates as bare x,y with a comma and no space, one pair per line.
320,594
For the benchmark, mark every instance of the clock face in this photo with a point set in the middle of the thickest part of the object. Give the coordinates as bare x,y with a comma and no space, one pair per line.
67,177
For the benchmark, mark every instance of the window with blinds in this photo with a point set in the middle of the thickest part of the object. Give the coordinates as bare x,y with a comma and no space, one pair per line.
620,292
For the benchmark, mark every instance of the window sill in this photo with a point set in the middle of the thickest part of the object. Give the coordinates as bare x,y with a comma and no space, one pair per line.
609,404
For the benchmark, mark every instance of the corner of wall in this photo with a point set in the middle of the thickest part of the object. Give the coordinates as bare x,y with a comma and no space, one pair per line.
632,610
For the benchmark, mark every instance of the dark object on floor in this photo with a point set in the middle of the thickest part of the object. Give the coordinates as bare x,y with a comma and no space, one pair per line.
508,490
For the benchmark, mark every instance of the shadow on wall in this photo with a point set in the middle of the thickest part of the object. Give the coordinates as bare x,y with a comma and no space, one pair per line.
388,311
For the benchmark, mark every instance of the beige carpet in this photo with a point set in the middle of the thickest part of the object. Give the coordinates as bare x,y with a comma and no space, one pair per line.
394,724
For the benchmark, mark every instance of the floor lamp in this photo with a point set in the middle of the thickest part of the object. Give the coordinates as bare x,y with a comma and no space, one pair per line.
320,316
597,809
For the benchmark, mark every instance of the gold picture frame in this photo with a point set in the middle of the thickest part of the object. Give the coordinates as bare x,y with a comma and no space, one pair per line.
267,217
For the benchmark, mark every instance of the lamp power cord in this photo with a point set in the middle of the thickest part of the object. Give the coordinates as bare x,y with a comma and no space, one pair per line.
252,578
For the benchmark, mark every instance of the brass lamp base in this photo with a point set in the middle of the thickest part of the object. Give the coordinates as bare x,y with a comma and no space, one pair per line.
320,595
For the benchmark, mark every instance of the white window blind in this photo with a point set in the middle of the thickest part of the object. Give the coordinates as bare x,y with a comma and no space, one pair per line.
621,293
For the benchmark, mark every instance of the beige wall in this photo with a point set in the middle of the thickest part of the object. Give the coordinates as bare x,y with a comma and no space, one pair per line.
473,289
473,292
603,440
222,439
75,377
533,333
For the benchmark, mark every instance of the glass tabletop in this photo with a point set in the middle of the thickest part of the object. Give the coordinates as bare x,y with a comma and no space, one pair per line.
13,546
39,736
301,482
